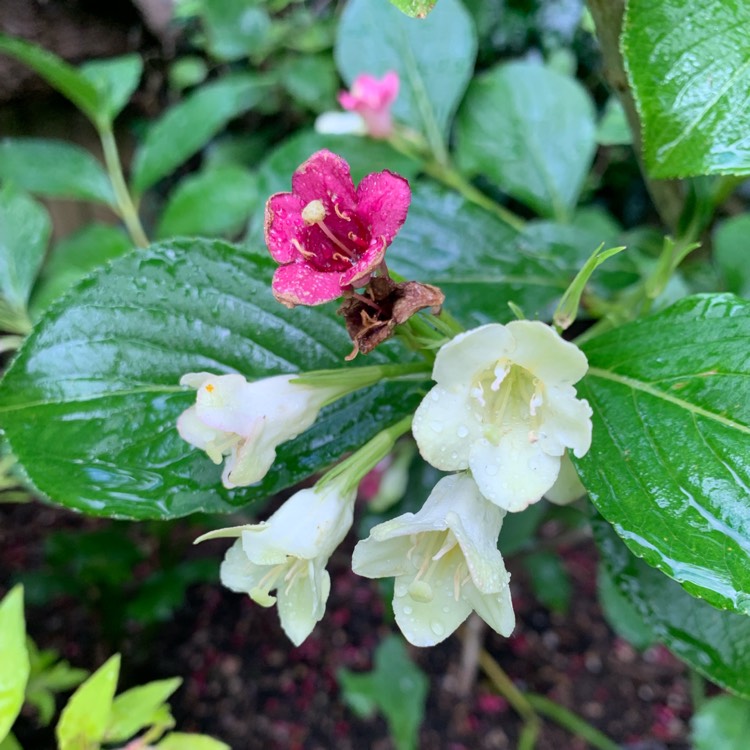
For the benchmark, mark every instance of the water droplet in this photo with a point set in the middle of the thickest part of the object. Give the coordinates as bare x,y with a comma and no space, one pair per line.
437,628
407,610
491,470
434,395
454,456
462,431
401,589
436,426
446,609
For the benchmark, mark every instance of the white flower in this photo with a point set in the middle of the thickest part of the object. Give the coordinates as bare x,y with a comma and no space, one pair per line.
247,421
289,553
504,406
567,487
446,563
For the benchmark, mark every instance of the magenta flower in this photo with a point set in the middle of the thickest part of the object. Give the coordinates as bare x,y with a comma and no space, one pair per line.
328,236
371,98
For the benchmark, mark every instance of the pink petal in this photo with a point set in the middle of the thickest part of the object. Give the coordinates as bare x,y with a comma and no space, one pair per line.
389,85
325,177
359,274
299,284
348,101
283,223
384,199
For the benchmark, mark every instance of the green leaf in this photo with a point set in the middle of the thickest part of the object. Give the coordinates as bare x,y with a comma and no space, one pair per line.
84,719
115,80
214,202
689,67
236,29
732,253
71,83
518,530
434,59
10,743
75,256
714,643
311,80
183,741
549,580
721,722
613,129
187,127
135,709
415,8
668,465
14,659
396,687
24,232
101,373
54,168
621,615
530,130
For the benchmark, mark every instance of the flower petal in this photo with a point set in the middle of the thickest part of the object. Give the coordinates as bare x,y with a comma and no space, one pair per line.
226,403
302,605
381,558
359,273
567,487
237,572
194,430
383,201
299,284
283,223
566,423
495,609
325,176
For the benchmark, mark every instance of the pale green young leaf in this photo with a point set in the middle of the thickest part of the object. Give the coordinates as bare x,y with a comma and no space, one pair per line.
115,79
531,131
721,722
187,127
183,741
689,67
14,658
136,709
668,464
84,719
54,168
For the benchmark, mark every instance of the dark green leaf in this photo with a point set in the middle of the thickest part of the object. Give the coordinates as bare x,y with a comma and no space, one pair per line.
668,467
621,615
415,8
549,580
54,168
722,722
434,58
14,659
530,130
689,66
236,28
396,687
311,80
214,202
100,375
187,127
714,643
115,80
70,82
732,253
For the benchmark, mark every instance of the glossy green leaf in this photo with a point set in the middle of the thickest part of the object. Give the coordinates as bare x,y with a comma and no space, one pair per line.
213,202
721,722
70,82
732,253
713,642
14,659
115,80
415,8
434,58
24,232
100,373
530,130
54,168
187,127
75,256
669,466
689,67
396,687
84,719
136,708
183,741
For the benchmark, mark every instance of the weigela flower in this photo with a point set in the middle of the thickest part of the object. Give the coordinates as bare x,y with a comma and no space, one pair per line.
567,487
328,236
288,553
504,406
372,98
445,561
247,421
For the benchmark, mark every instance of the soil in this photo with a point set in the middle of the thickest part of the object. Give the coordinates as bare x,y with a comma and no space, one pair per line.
247,685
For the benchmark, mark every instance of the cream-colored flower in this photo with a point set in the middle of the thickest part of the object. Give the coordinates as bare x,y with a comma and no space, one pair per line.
247,421
445,561
567,487
505,407
288,553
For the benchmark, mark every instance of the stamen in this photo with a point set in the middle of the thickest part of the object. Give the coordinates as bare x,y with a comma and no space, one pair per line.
478,393
301,249
500,373
336,241
536,401
341,214
339,256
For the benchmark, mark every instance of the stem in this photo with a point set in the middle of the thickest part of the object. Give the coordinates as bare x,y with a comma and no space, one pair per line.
349,379
570,721
125,205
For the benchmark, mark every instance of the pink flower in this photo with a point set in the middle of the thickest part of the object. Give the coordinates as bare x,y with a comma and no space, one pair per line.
372,98
328,236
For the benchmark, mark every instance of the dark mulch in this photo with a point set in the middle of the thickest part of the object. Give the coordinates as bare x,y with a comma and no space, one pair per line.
244,682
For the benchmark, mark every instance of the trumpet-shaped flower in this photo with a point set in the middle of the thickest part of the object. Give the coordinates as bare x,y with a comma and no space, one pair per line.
445,561
288,553
505,407
372,98
328,236
247,421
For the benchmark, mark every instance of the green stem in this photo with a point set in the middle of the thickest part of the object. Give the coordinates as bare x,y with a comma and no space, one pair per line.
570,721
125,205
348,379
506,688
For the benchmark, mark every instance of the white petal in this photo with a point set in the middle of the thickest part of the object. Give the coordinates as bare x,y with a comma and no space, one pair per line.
444,427
468,354
566,423
224,402
567,487
195,431
544,353
303,605
373,558
237,572
196,379
495,609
